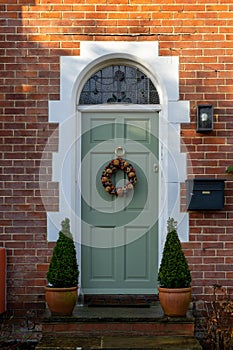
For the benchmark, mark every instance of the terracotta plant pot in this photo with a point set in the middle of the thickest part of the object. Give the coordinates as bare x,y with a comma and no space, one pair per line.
174,301
61,301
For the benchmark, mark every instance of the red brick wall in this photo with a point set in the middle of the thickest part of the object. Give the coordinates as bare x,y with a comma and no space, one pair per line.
33,37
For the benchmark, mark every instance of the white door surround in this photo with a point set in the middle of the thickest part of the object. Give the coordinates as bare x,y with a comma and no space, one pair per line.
164,73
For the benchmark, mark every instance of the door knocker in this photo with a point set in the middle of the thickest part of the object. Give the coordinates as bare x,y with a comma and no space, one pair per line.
119,152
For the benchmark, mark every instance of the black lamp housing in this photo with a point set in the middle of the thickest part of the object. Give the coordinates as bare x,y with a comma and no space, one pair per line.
204,118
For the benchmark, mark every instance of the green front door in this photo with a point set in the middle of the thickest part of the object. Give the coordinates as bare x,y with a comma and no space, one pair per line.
119,234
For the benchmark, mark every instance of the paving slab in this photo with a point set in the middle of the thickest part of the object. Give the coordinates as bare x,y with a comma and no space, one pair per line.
120,343
156,343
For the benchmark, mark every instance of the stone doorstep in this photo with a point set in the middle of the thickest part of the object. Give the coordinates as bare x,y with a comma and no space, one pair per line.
120,343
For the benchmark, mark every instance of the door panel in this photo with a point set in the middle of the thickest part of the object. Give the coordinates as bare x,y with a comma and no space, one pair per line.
136,266
119,234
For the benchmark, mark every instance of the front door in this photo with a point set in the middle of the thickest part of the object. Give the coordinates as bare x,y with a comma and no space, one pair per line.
119,234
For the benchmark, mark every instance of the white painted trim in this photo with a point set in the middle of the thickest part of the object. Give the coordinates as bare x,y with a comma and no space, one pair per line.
164,73
120,107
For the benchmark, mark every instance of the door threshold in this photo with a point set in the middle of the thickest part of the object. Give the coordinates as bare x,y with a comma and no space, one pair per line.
120,300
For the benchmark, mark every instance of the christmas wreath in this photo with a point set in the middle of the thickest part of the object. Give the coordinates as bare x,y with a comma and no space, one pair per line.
112,168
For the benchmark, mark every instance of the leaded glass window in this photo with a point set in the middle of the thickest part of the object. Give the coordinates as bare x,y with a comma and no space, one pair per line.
119,84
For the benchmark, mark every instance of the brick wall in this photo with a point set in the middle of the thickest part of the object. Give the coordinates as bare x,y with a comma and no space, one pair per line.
33,37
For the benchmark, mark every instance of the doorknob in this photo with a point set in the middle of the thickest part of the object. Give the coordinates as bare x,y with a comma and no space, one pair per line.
155,168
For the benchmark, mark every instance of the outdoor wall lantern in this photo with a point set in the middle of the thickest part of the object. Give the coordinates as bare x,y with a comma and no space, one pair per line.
204,118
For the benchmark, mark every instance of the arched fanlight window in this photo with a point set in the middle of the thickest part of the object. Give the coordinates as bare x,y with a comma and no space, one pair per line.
119,84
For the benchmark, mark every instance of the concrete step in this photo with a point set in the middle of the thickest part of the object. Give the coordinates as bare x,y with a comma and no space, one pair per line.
102,322
120,343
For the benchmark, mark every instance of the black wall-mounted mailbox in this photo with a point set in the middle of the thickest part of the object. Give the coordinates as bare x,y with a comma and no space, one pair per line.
205,194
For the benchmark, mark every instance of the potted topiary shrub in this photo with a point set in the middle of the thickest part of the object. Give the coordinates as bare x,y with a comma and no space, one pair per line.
174,276
62,275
